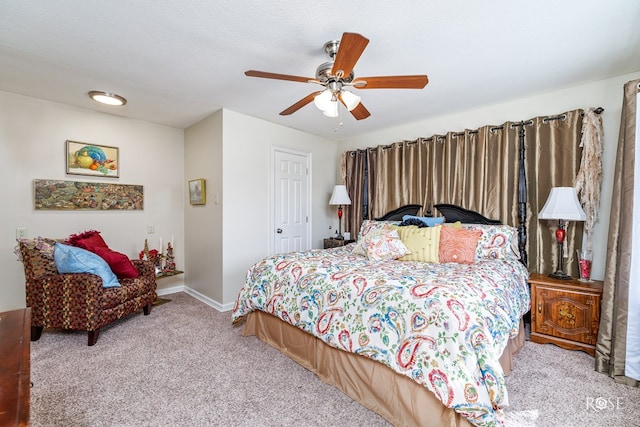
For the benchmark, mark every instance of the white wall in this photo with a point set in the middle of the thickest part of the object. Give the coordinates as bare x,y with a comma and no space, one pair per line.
604,93
32,145
246,203
203,223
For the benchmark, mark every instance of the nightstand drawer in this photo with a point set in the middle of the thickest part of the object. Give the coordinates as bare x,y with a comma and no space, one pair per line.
570,315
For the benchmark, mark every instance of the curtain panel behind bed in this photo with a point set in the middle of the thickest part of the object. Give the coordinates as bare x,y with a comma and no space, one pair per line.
478,170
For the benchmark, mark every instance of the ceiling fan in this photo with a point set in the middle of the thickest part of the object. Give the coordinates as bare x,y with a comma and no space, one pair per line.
337,74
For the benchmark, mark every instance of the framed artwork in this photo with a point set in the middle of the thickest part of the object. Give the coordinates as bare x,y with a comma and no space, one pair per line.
92,159
197,192
55,195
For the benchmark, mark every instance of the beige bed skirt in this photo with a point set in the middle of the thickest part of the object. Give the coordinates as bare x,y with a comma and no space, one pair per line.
395,397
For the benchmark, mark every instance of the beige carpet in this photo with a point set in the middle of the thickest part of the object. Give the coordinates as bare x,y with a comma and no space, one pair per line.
185,365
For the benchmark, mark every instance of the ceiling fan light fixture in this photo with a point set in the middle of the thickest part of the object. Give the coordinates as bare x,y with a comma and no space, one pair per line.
107,98
323,100
331,110
350,99
339,73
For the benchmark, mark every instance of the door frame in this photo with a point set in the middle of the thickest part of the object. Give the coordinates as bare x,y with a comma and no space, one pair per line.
272,164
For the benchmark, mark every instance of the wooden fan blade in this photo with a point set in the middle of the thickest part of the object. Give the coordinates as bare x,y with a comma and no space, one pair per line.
360,112
266,75
351,47
298,105
391,82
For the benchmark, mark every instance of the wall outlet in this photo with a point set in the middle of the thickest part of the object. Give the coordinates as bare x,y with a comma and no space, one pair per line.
21,233
151,229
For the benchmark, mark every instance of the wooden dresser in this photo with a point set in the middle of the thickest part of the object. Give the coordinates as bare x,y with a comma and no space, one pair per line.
15,384
565,312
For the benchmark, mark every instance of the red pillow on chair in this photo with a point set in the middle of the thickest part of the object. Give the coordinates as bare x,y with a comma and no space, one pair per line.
120,264
92,241
87,240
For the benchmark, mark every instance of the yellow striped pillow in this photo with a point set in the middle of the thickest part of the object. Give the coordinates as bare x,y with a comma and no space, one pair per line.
422,242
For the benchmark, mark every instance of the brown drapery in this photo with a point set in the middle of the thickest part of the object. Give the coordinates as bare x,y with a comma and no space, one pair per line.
611,347
553,156
356,174
476,169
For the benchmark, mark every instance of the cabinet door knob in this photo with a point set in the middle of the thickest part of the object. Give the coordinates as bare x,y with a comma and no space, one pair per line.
279,231
540,307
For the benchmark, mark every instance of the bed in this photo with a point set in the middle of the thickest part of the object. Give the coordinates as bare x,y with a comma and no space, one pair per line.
418,342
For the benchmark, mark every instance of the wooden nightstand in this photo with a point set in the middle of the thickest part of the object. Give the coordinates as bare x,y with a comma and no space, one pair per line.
565,312
335,243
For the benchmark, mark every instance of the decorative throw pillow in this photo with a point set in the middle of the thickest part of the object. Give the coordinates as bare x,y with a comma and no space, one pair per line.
428,220
71,259
45,246
385,246
423,242
496,242
119,263
456,224
87,240
369,229
38,256
458,245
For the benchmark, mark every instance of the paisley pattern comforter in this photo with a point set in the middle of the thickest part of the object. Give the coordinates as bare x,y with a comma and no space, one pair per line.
443,325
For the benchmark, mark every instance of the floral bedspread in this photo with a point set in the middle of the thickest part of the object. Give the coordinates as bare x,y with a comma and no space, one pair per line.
443,325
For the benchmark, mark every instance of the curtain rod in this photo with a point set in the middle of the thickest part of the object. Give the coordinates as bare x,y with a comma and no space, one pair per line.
597,110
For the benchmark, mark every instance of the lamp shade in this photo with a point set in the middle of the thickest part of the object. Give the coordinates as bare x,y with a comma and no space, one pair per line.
350,100
340,196
323,99
331,110
562,204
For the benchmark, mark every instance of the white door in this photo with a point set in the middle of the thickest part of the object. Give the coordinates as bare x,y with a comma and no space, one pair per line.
291,202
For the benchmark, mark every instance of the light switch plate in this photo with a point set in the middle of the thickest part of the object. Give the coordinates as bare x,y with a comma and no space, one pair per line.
21,233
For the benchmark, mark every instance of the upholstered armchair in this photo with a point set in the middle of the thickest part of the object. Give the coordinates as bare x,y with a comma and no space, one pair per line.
79,301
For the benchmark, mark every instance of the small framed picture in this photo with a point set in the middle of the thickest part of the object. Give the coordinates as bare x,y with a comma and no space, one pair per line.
197,192
92,159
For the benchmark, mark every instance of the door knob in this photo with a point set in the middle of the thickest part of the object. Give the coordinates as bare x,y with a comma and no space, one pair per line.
279,231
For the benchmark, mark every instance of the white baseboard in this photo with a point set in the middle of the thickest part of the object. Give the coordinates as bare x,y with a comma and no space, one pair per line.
197,295
172,290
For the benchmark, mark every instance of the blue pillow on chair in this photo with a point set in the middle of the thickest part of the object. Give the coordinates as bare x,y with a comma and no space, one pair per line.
428,220
70,259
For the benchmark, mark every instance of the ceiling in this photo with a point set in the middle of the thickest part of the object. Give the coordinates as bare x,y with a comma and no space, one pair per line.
178,61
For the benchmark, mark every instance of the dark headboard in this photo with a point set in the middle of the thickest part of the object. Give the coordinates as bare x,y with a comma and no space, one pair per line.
397,214
453,213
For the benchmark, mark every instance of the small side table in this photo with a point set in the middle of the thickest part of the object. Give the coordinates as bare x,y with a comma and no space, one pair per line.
336,243
162,275
565,312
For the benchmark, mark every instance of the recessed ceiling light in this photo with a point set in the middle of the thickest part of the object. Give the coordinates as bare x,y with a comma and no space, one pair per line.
107,98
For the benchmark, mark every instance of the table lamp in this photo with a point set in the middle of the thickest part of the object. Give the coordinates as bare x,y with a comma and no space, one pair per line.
562,205
340,197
